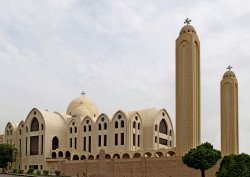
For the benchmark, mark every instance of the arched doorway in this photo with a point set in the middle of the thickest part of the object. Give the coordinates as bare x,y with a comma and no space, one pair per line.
67,156
75,157
53,155
126,156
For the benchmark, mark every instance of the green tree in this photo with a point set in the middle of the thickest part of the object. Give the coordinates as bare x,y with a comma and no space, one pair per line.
203,157
8,155
234,166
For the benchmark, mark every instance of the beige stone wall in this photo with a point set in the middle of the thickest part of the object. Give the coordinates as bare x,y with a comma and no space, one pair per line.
140,167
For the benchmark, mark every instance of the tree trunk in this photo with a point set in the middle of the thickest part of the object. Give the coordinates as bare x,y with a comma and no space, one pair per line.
203,173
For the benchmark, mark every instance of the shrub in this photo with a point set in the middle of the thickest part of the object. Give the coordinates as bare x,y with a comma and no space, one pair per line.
20,171
46,172
14,170
57,172
30,171
38,172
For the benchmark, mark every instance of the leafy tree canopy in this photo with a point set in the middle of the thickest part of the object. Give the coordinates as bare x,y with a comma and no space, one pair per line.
234,166
203,157
8,154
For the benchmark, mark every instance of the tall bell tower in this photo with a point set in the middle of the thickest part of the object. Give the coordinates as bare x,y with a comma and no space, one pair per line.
229,113
187,90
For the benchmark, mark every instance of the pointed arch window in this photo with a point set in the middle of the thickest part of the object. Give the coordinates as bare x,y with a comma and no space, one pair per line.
75,129
34,125
116,124
163,127
84,128
89,128
55,143
105,126
134,124
139,126
122,123
99,127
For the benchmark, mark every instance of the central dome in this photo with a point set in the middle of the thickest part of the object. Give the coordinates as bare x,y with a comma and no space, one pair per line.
82,106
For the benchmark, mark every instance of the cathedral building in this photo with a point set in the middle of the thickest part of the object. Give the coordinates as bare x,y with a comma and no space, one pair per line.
45,139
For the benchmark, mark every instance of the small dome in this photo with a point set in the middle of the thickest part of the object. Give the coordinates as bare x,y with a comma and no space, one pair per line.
187,29
82,106
229,74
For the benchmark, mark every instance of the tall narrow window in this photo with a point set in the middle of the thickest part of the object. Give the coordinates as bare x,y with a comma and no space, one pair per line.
105,126
34,125
75,143
20,147
105,140
26,146
100,140
170,143
42,145
156,128
134,124
34,142
99,127
116,139
163,127
70,142
122,138
133,139
84,143
138,143
89,143
84,128
156,139
139,126
89,128
170,132
116,124
55,143
75,129
70,130
122,123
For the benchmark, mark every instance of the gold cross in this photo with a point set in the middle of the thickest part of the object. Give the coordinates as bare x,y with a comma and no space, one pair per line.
187,21
229,67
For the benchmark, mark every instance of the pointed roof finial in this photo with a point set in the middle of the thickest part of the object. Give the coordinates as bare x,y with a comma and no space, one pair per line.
83,93
187,21
229,68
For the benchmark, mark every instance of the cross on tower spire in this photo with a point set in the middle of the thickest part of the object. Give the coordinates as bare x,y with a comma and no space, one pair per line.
187,21
83,93
229,67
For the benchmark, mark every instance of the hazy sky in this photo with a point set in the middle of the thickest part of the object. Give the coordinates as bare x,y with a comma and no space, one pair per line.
122,54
